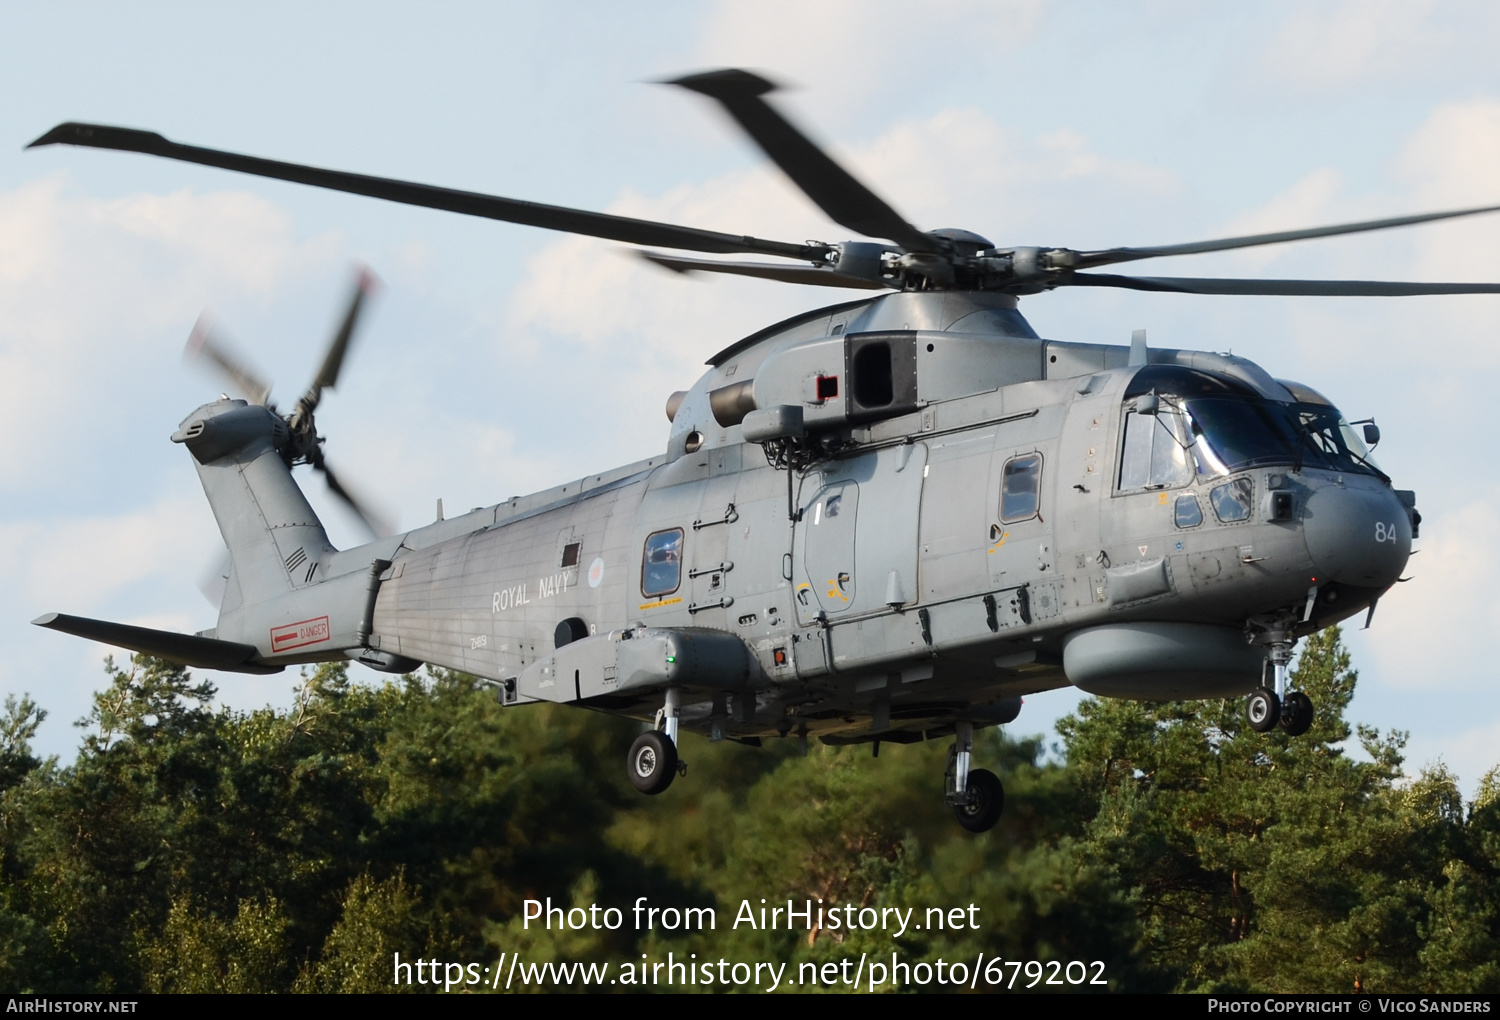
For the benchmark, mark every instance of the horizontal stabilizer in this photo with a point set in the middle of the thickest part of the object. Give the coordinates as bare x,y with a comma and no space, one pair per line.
188,649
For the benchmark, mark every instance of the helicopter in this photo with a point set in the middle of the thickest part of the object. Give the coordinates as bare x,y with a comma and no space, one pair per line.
885,520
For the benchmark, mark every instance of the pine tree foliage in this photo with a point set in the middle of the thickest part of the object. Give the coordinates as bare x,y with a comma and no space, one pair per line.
191,848
1274,863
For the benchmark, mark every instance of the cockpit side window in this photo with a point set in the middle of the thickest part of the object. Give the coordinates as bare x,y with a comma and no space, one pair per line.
1155,451
661,564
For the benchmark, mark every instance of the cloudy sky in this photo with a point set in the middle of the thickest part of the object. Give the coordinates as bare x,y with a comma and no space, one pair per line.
500,359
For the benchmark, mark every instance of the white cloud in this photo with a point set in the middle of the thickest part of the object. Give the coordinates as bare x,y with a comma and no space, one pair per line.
60,560
1309,202
956,168
1433,632
1333,45
1469,753
88,285
836,47
1449,162
72,266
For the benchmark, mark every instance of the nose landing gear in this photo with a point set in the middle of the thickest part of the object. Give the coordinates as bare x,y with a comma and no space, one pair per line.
976,796
1268,706
1263,710
1296,714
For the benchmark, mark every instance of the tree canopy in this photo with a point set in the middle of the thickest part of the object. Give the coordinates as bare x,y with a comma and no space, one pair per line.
193,848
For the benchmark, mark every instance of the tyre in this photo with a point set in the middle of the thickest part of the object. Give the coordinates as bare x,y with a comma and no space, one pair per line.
1263,710
1296,714
986,802
652,763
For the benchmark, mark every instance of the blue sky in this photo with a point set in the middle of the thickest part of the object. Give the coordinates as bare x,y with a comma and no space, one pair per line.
500,359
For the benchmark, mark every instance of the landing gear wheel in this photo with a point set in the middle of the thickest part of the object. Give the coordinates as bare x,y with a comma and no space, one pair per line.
986,800
652,764
1263,710
1296,714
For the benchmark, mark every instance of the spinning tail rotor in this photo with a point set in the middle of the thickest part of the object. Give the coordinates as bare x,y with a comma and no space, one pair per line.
302,444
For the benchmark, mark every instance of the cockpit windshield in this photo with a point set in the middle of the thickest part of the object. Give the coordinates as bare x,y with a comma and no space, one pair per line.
1242,432
1205,426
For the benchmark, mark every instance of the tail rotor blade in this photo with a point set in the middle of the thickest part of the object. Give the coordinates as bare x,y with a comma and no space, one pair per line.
203,344
215,579
378,524
328,373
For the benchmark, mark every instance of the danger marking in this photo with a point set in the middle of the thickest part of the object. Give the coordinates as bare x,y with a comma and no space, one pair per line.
295,635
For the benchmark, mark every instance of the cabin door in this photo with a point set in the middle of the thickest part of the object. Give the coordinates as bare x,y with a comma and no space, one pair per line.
1021,501
855,547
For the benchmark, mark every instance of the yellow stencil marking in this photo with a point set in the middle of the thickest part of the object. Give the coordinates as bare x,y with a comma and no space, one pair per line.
660,603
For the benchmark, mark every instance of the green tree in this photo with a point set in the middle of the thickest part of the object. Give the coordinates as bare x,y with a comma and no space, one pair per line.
380,924
199,952
1267,862
189,848
17,726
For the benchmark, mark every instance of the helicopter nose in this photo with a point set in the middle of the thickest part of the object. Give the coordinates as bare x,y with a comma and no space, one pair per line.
1359,536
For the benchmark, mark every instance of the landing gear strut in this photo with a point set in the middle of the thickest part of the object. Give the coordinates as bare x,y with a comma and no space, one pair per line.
1271,705
976,796
653,763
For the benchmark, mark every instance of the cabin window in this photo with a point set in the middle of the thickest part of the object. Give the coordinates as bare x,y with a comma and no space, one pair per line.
1187,513
570,554
661,566
1021,487
1232,500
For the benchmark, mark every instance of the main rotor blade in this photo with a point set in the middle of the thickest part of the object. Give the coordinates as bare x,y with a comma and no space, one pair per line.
201,343
328,372
1110,256
1281,288
510,210
813,275
830,186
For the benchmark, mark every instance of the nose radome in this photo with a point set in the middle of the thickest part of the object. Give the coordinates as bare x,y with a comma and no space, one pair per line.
1358,536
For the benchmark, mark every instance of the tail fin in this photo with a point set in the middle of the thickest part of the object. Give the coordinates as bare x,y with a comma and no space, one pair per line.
275,540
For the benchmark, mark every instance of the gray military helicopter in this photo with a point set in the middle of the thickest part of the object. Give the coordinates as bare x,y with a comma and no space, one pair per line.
884,520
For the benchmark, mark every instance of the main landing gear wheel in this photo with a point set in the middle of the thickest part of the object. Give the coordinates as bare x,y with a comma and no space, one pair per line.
1296,714
652,764
1263,710
984,804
